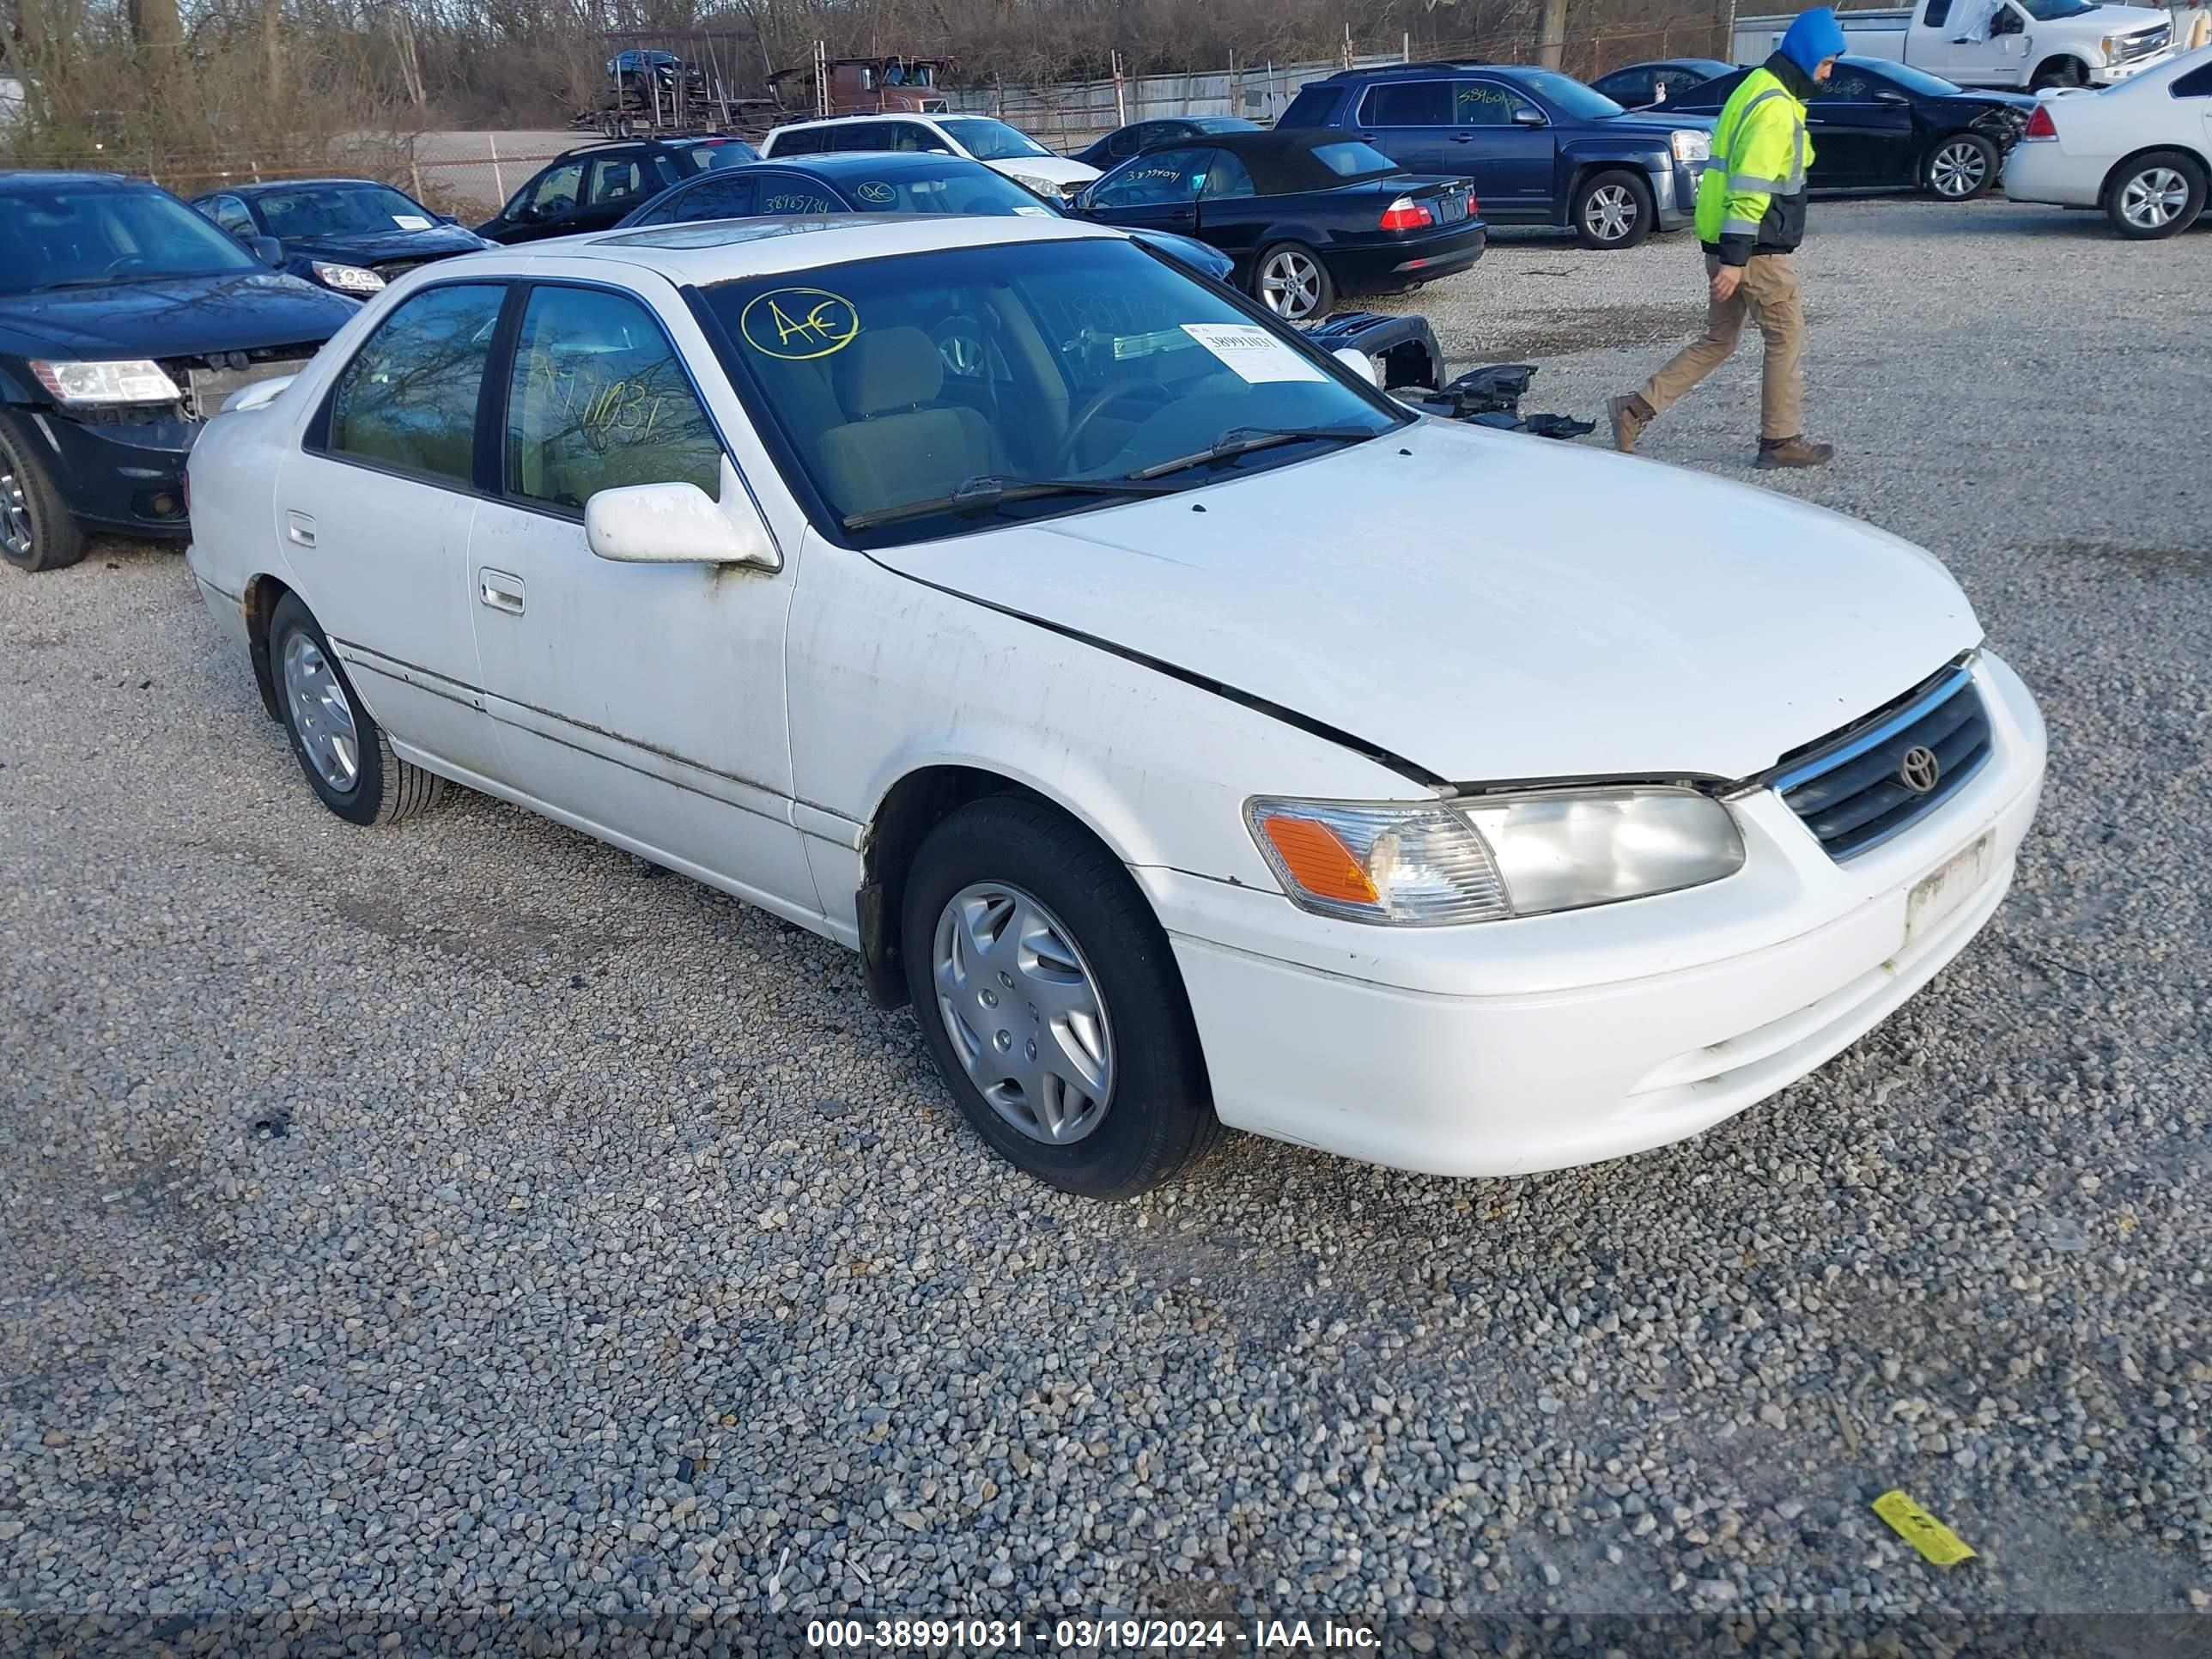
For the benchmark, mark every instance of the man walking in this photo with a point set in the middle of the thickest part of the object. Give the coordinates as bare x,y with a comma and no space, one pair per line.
1751,217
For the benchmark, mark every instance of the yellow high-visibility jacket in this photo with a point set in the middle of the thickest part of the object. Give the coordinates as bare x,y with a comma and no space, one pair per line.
1751,197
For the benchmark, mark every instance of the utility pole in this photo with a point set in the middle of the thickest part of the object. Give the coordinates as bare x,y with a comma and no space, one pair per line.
1553,38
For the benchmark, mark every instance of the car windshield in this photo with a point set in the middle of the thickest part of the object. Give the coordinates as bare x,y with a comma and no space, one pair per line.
1568,96
1904,76
77,238
715,152
1079,364
2050,11
990,140
957,186
341,210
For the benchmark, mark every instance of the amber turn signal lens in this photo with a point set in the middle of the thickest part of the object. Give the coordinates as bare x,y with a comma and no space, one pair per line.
1320,861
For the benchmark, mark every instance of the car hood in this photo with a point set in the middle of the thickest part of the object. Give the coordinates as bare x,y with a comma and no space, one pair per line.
175,317
367,248
1491,606
1058,169
1649,120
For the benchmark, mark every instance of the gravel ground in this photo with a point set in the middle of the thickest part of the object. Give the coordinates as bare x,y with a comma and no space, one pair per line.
461,1216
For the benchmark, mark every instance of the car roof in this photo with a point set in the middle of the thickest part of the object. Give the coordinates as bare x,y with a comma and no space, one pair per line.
881,162
268,185
886,115
29,180
646,141
727,250
1403,71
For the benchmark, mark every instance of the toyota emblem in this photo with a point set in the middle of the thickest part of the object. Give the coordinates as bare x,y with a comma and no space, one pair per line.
1919,770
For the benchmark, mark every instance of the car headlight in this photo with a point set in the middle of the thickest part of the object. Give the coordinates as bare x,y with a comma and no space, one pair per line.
1044,187
1485,858
1692,146
133,380
347,279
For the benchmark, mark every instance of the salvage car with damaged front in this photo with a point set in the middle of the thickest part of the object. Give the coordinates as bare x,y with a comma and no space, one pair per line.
125,320
1132,687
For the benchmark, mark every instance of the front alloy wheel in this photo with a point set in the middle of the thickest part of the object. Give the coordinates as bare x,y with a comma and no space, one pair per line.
1023,1012
17,539
1290,283
1609,214
1958,171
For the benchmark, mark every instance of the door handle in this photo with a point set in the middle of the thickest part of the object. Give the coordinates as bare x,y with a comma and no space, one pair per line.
1462,137
501,591
299,529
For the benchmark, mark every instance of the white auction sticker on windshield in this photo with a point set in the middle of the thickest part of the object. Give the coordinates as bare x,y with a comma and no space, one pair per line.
411,221
1253,354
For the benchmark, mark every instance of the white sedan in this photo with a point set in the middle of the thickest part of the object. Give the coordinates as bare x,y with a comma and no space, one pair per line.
2141,150
1193,735
978,138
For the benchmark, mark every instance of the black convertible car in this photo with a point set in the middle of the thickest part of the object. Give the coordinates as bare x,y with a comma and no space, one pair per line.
1877,122
1304,216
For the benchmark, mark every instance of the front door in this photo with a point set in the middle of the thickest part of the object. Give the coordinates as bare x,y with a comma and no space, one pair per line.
1156,192
1505,143
644,702
1861,127
374,513
548,205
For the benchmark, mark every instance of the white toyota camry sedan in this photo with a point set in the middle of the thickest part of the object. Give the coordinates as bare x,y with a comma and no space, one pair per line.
1192,734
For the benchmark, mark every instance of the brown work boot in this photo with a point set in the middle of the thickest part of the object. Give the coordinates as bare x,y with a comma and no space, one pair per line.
1794,452
1631,414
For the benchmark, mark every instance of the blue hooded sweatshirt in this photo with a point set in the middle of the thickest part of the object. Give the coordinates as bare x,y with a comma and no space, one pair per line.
1814,36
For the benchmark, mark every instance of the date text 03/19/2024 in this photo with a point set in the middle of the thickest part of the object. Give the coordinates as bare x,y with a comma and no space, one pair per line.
1091,1635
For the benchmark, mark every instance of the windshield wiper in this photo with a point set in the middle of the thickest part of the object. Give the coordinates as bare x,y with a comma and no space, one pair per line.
982,494
1244,440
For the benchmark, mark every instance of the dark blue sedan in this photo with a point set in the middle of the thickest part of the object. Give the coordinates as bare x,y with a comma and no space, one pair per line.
1541,148
879,181
333,230
125,321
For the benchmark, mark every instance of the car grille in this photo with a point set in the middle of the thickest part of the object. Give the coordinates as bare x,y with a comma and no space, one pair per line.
2133,46
208,381
1850,788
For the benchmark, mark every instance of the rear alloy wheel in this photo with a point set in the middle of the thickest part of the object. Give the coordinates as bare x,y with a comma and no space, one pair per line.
2156,195
1291,282
1960,167
37,531
348,759
1613,209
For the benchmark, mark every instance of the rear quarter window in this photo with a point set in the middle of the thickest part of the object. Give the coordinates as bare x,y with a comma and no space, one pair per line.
1312,107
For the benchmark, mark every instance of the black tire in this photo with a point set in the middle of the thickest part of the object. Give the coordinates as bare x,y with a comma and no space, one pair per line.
2134,185
383,788
1615,193
2059,72
37,530
1156,1114
1278,260
1959,166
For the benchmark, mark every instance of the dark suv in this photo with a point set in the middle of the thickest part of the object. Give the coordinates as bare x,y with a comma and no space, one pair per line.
594,188
1540,147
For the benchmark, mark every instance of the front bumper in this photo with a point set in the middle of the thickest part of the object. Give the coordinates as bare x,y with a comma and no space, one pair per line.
2109,75
117,471
1674,193
1513,1047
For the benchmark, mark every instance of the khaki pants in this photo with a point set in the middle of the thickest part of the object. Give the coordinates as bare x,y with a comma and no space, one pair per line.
1769,296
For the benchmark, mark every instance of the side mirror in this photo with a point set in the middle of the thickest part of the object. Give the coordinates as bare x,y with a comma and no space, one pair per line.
677,524
1529,118
1359,363
267,250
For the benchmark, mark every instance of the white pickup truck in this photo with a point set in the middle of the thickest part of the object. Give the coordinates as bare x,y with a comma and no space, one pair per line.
2029,43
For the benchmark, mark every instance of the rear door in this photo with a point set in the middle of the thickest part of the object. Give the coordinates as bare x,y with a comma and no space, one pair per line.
1410,121
617,182
376,508
1512,164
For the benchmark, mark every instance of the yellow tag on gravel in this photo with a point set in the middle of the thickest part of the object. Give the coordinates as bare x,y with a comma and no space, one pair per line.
1922,1530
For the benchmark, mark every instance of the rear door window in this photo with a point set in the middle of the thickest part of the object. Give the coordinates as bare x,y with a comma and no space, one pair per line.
865,134
1408,104
408,400
729,197
812,142
620,178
